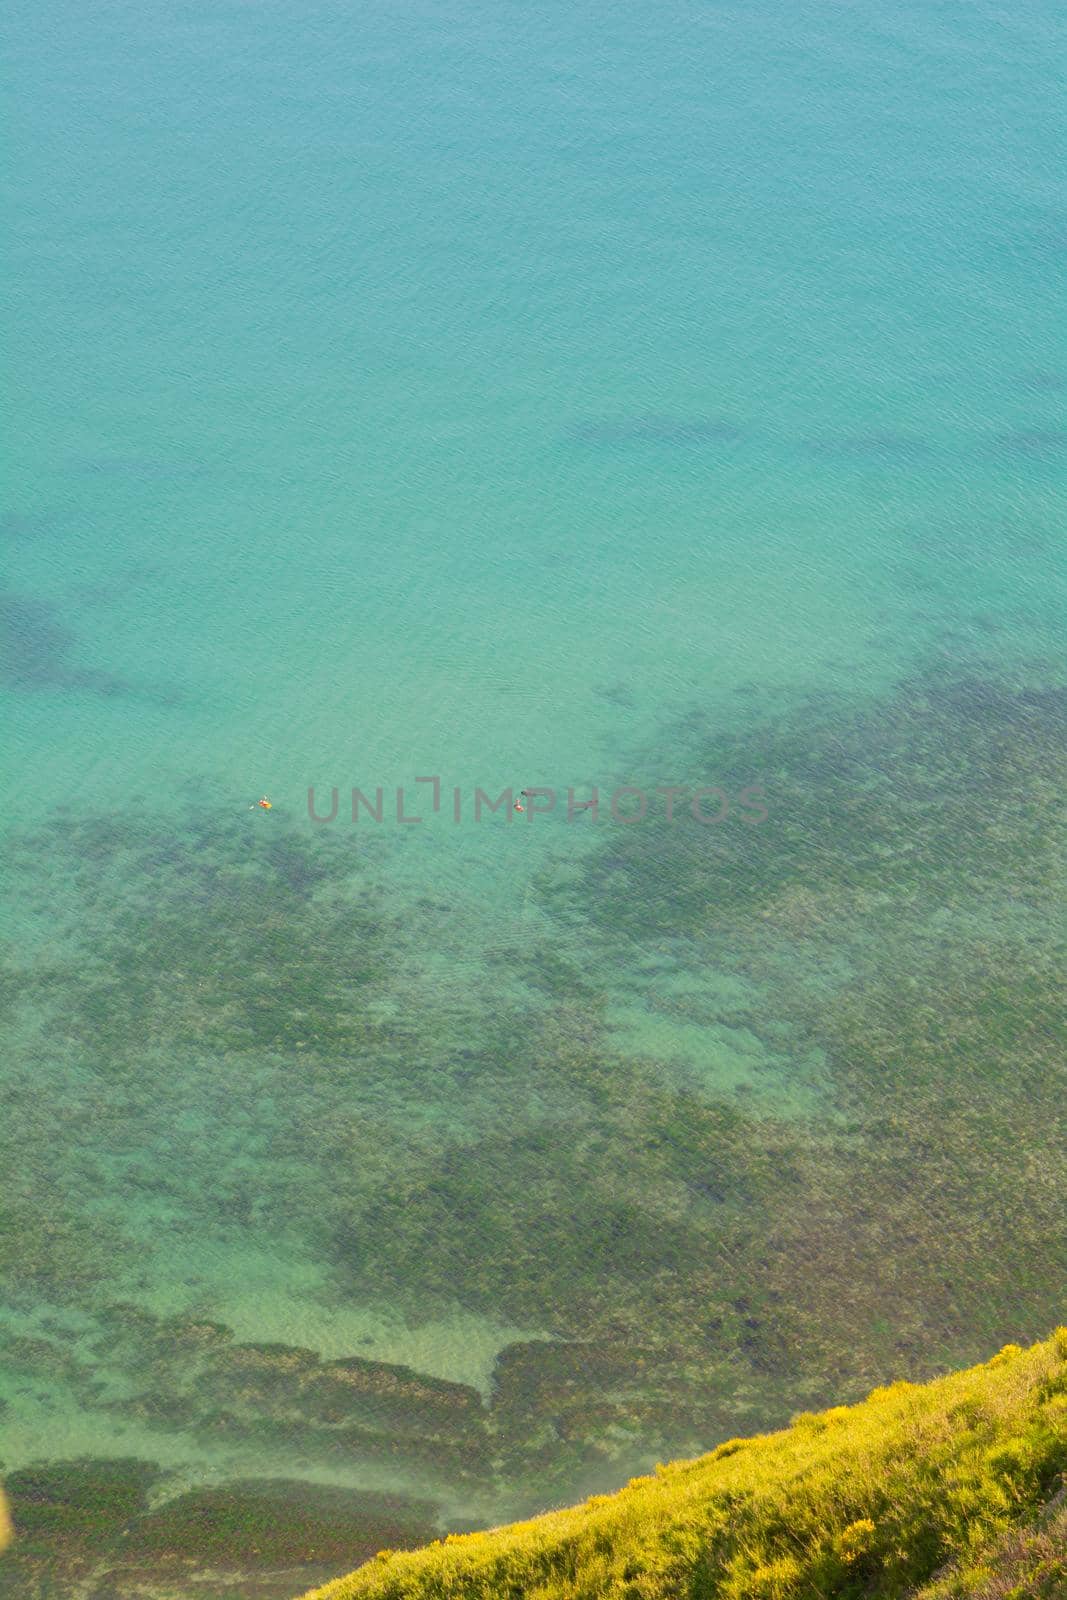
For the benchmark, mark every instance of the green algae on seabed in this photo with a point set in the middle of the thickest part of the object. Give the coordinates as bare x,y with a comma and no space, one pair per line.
89,1526
895,917
946,788
207,935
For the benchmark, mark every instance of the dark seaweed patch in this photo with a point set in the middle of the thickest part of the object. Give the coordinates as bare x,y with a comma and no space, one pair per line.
616,694
38,654
945,787
82,1502
237,945
259,1522
85,1526
37,651
48,1249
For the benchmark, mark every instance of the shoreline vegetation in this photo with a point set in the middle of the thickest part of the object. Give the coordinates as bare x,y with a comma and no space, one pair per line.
939,1491
936,1491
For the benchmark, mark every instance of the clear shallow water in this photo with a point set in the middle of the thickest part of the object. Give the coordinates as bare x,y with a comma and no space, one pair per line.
600,397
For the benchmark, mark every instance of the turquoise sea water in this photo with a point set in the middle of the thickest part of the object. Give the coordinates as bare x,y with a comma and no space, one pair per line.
523,395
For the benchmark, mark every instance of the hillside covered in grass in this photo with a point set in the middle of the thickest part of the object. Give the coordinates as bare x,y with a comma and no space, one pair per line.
938,1491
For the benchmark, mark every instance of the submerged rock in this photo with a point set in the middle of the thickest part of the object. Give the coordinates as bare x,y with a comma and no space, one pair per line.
84,1502
394,1394
258,1521
85,1527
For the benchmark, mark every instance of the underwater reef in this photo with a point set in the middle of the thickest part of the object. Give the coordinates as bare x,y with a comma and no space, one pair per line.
920,1491
91,1527
230,1044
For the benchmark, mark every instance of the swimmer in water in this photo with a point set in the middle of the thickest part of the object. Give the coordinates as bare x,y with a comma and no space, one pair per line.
262,805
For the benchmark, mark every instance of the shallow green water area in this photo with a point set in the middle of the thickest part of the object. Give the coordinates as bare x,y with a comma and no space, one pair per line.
274,1220
527,398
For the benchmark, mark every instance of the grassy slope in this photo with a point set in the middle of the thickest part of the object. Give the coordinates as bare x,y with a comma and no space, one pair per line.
1027,1564
939,1485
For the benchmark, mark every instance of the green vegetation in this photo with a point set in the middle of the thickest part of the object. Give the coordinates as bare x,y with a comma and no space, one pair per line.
89,1527
84,1503
940,1485
942,791
1027,1564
